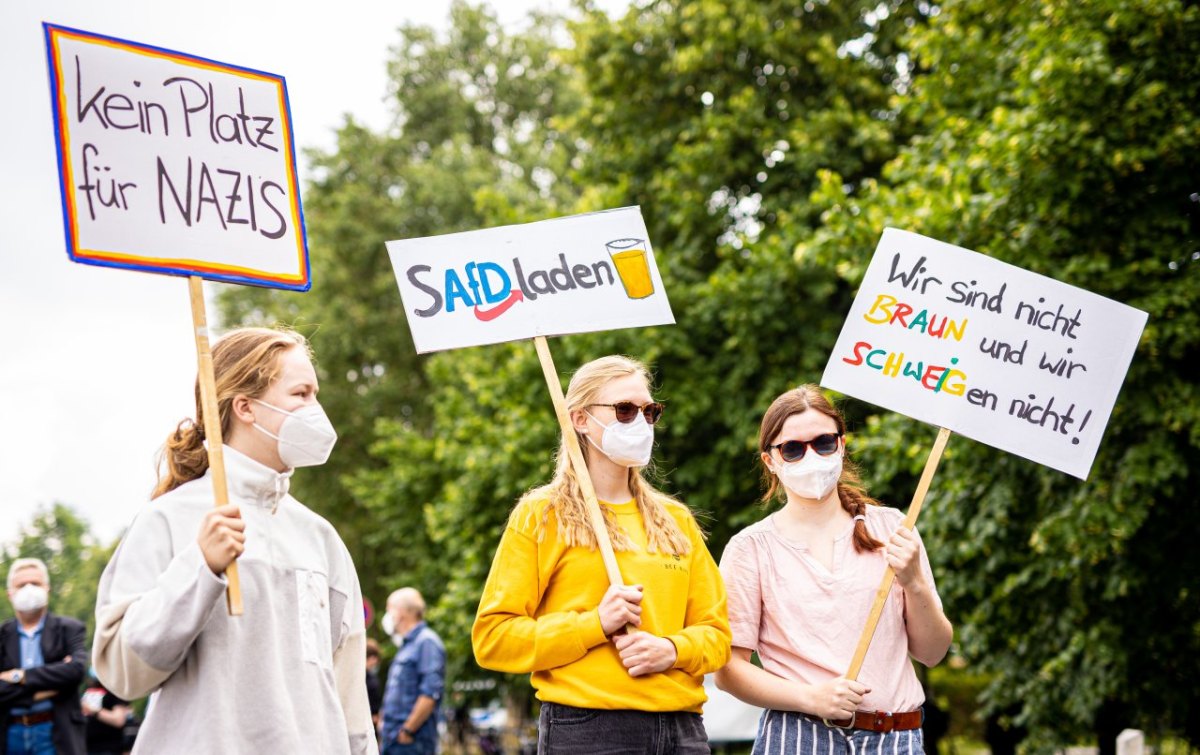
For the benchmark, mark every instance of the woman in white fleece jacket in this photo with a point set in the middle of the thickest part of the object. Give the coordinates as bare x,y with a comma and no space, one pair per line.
287,675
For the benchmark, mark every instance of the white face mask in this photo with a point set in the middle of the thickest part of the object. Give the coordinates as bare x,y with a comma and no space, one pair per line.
626,443
305,438
812,476
387,623
30,598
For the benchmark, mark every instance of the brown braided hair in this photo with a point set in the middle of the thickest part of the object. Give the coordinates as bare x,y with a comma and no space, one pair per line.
851,491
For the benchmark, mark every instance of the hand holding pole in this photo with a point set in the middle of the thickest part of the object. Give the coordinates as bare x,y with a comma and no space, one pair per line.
212,428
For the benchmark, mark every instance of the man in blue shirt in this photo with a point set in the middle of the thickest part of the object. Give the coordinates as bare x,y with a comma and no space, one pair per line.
415,680
42,663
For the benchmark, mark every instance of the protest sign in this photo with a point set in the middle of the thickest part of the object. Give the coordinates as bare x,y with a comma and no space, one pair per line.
1003,355
173,163
574,274
999,354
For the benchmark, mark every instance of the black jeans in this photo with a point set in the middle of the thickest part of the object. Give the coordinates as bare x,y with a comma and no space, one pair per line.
566,730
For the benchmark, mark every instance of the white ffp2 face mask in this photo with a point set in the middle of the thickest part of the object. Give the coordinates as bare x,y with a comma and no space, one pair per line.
305,438
626,443
812,476
30,598
387,623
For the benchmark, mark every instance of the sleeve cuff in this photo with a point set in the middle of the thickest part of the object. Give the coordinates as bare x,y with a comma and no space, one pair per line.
685,651
590,629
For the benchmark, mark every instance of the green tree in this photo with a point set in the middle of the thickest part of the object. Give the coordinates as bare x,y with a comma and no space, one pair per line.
1062,138
73,556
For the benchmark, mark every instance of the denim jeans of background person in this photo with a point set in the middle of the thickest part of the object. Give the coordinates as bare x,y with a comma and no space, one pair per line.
42,662
416,679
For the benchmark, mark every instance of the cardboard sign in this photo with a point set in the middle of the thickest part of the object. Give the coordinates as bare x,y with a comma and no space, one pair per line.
172,163
999,354
575,274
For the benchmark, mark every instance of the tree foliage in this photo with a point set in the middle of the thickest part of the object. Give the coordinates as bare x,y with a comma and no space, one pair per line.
768,144
1062,138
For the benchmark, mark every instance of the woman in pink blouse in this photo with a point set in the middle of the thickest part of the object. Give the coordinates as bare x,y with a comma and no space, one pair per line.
800,584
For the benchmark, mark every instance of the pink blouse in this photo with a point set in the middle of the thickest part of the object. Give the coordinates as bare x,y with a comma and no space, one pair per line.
805,620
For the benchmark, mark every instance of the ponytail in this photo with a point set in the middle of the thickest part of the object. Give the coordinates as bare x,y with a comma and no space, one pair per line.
184,456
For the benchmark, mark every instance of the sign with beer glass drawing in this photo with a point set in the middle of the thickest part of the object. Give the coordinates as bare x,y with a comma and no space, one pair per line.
576,274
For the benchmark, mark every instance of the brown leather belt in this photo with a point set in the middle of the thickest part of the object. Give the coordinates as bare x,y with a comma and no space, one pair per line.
31,719
877,720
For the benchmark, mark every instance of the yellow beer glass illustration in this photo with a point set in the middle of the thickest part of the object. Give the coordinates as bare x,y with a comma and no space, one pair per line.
629,257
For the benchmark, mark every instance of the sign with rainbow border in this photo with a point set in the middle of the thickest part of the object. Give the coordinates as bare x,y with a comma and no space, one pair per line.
574,274
173,163
1010,358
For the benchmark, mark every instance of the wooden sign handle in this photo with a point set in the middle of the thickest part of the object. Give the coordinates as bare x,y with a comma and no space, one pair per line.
212,428
885,586
581,471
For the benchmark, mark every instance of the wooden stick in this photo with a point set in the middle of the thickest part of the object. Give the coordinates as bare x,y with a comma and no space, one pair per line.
212,429
885,586
576,454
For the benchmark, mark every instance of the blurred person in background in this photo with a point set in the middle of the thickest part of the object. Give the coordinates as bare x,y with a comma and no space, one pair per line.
374,690
416,678
107,716
43,659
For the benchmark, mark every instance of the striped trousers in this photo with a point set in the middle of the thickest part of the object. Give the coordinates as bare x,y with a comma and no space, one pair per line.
786,733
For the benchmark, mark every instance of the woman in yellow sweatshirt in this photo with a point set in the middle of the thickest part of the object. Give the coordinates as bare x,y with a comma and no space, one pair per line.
547,608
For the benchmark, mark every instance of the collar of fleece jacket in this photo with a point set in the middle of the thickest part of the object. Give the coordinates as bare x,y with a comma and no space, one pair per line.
250,481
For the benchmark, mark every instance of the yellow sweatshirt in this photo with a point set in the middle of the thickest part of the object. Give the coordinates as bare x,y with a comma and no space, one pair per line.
538,614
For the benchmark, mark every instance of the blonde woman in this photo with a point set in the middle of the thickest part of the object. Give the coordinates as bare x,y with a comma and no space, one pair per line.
801,583
547,608
287,675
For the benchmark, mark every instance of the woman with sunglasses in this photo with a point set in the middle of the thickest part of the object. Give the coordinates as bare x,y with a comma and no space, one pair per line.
547,608
801,583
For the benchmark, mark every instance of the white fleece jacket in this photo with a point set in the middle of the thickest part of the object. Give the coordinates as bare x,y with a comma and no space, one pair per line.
286,676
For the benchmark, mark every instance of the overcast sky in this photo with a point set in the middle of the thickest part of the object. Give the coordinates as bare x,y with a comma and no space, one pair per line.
97,365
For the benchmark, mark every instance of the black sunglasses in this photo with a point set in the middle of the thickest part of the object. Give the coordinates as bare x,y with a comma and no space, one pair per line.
626,411
791,450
